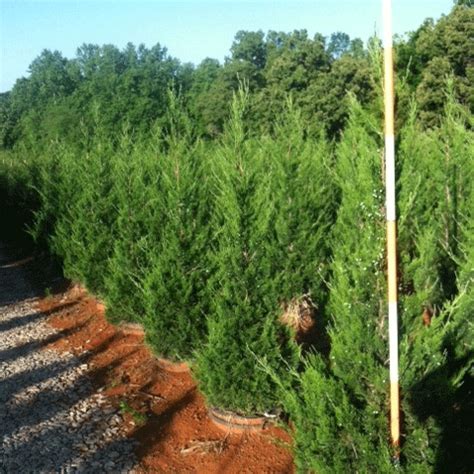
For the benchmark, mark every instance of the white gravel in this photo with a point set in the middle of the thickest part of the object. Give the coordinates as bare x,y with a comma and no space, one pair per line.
51,419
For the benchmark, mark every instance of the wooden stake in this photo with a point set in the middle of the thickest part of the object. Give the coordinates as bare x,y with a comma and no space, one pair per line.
391,225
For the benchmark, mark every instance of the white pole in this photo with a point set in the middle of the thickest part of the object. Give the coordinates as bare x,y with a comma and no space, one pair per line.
391,225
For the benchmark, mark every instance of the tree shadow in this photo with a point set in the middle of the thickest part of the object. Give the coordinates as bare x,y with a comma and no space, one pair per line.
37,435
22,380
32,377
100,375
32,278
14,249
46,404
13,353
101,458
60,443
157,426
37,417
19,321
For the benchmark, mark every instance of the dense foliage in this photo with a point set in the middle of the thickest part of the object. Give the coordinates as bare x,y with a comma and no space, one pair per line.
340,412
274,207
336,399
131,86
207,243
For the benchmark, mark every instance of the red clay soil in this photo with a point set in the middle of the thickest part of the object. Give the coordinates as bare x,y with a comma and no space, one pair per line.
162,410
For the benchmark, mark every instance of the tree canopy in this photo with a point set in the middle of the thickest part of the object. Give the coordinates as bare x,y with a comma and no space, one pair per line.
130,86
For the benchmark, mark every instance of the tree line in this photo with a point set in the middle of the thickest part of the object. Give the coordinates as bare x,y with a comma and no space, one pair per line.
131,87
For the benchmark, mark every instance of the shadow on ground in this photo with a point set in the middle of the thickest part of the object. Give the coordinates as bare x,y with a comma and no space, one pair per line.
25,274
39,399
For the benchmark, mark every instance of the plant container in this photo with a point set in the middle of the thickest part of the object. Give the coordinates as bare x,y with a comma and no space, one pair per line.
230,421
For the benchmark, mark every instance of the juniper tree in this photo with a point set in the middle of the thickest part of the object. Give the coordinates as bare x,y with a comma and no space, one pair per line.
339,408
174,286
436,204
273,207
136,195
47,180
18,201
306,199
83,233
169,264
434,181
243,318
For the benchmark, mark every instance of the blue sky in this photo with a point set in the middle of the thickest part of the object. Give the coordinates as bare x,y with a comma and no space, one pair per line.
190,29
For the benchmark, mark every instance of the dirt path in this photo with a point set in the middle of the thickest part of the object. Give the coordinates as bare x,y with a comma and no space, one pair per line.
78,395
51,419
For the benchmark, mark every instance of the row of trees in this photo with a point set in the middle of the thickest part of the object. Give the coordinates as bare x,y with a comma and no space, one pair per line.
341,411
207,244
210,243
113,86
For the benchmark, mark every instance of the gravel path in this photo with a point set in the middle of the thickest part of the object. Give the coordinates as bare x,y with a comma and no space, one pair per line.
51,420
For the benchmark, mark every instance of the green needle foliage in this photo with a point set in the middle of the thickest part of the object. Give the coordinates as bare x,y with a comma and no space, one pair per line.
174,287
17,201
136,196
85,230
243,323
436,207
457,419
435,180
305,197
207,243
273,207
340,406
164,203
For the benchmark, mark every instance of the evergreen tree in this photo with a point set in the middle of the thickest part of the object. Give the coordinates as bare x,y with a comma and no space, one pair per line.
174,286
435,204
136,195
244,323
275,204
305,198
339,407
84,230
18,202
